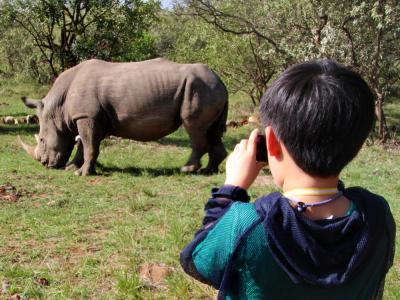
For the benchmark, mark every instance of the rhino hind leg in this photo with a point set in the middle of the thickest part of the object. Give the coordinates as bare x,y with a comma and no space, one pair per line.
205,139
77,162
217,154
199,144
91,134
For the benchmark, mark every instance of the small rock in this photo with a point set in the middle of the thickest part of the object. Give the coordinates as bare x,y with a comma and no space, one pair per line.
9,120
5,286
6,187
32,119
232,124
21,120
9,193
42,281
153,274
51,203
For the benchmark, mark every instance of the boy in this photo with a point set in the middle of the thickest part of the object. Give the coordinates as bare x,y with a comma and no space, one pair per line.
316,239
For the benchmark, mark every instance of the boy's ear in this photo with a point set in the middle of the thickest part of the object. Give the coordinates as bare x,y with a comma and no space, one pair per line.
273,145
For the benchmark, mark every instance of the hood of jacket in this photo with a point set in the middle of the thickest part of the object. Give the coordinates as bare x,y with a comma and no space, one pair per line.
324,253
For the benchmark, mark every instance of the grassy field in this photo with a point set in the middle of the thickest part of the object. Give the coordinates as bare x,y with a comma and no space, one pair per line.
69,237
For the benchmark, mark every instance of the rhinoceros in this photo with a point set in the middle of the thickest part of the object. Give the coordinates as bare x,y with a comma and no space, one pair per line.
142,101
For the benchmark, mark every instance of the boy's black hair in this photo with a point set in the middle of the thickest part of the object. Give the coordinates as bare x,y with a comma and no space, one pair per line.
322,112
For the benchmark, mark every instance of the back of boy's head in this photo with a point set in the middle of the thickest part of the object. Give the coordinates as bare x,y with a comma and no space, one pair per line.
322,112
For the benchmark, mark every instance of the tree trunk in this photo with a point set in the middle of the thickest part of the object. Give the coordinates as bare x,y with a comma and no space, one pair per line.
380,117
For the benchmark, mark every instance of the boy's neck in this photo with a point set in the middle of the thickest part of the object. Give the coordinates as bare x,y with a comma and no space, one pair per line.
301,181
337,208
293,177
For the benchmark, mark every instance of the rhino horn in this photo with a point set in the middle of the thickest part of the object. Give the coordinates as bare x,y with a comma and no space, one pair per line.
31,150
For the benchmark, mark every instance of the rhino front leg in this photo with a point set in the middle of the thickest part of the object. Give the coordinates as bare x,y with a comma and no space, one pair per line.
91,135
77,162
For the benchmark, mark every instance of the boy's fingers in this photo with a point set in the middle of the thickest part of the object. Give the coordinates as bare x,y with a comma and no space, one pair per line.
261,164
252,147
243,145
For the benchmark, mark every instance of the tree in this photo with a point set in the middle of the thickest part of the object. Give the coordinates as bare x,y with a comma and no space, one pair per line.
362,34
365,35
66,32
244,63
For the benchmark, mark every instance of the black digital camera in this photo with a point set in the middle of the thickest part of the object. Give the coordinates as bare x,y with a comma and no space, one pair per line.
261,149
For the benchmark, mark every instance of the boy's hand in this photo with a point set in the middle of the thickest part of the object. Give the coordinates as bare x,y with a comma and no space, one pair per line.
241,165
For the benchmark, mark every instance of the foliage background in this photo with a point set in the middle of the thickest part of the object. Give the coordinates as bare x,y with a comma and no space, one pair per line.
247,42
88,236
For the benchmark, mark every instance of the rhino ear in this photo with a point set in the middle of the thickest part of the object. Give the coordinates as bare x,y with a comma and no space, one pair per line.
32,103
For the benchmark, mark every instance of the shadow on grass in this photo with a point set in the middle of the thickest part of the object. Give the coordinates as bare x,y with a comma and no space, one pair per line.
229,142
19,129
134,171
152,172
174,141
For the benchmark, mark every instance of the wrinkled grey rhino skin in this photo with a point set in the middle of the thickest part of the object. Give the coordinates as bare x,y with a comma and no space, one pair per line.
142,101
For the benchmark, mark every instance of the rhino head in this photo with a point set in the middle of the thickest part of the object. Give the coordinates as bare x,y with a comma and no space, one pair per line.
53,146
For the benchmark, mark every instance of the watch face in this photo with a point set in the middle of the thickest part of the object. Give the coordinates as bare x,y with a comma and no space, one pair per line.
261,149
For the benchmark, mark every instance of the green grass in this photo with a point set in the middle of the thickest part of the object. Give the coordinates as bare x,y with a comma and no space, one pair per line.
11,91
88,236
392,110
